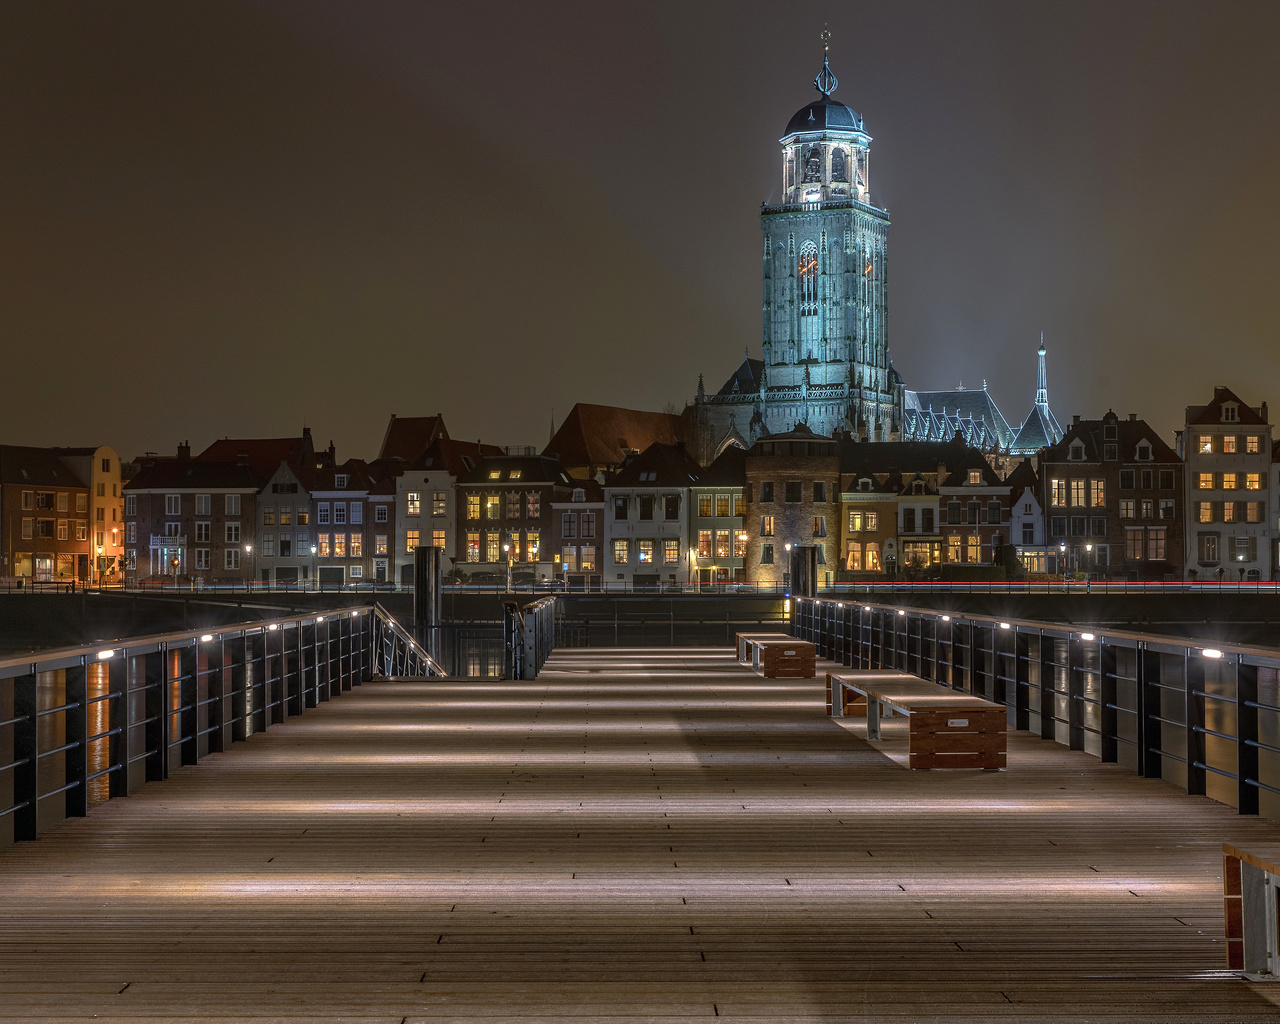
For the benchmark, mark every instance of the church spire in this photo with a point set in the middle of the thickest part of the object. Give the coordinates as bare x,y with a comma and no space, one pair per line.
825,81
1042,381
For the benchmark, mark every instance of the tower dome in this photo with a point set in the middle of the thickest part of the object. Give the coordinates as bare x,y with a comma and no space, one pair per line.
825,148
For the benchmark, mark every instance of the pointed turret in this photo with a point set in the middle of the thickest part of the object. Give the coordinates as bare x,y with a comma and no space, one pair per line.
1042,380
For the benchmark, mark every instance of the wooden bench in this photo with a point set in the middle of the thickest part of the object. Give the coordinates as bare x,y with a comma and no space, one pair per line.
1250,890
947,729
777,655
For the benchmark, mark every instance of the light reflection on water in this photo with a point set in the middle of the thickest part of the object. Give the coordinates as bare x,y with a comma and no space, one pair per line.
98,756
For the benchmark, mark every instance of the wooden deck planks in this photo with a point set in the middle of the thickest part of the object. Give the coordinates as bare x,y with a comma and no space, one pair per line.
649,835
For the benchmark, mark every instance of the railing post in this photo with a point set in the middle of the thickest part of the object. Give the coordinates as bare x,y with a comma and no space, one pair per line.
1021,681
219,719
1048,687
188,703
1150,741
238,705
76,730
120,716
1107,691
296,660
1075,694
26,752
1246,737
1193,676
156,705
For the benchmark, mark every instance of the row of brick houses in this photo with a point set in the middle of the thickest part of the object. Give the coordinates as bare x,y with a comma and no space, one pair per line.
61,514
618,496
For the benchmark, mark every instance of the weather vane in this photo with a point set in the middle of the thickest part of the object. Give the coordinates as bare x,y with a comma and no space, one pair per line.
825,82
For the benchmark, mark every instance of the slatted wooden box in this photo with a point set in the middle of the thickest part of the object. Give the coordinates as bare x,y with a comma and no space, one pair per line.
786,659
968,738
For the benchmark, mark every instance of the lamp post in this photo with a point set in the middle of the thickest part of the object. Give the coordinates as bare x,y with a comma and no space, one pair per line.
1088,565
98,566
248,550
506,552
1062,558
314,583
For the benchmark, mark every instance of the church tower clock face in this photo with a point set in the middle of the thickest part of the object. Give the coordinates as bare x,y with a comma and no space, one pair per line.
825,343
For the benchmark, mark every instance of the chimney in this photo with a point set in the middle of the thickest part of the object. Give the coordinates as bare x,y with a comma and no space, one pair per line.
1263,413
1075,420
184,450
1133,417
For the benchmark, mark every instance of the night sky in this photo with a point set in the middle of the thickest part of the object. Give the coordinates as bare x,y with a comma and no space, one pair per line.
234,219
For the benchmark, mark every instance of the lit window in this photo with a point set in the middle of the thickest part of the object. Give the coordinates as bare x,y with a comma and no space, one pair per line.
723,543
1204,481
473,546
740,544
339,545
532,545
1156,543
569,558
1058,493
269,516
975,476
514,474
533,505
1253,512
766,526
820,526
1253,444
379,543
492,543
1206,444
670,551
621,552
286,516
411,541
495,474
492,506
855,522
1097,493
722,504
437,539
704,506
473,506
1205,511
1229,444
588,559
1077,493
704,543
644,552
1253,481
357,545
439,503
1228,481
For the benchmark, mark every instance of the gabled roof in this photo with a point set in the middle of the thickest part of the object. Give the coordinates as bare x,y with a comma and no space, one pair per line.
1129,433
745,380
262,454
864,457
599,435
35,467
457,458
659,465
409,437
1024,476
1203,415
190,473
729,470
324,478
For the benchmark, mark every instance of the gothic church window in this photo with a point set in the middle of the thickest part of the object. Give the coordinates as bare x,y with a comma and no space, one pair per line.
839,170
808,271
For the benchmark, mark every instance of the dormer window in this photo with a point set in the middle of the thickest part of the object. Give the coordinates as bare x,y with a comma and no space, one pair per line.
1230,412
579,494
1144,452
917,487
1076,452
340,480
514,475
864,484
975,476
495,474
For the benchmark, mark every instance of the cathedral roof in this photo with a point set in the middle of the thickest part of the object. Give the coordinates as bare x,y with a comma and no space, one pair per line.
974,413
824,114
745,379
1038,430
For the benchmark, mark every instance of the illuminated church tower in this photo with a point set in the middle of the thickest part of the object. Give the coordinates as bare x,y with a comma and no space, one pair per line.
826,340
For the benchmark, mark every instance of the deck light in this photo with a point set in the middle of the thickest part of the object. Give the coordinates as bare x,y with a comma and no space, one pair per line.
206,638
866,607
902,611
946,618
319,618
1004,625
1211,652
104,655
1087,636
355,615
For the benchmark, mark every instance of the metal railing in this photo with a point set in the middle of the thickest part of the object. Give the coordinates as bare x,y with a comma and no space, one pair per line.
80,725
1202,715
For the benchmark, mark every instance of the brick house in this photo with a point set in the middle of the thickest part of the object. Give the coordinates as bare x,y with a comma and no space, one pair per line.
1112,492
792,497
45,521
717,531
577,538
1226,446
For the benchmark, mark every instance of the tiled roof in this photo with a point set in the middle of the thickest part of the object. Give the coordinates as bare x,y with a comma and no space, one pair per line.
262,454
729,470
1037,431
533,469
37,467
745,379
324,478
188,473
937,415
659,465
1023,476
456,457
596,435
1128,435
408,437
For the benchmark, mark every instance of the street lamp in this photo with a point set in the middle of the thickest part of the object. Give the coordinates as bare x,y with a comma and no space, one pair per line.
98,567
506,552
314,584
248,550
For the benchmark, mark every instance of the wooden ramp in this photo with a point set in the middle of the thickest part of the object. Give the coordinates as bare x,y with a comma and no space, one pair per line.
639,835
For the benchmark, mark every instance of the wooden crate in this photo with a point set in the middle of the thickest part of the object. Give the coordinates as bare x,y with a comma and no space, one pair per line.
786,659
967,738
